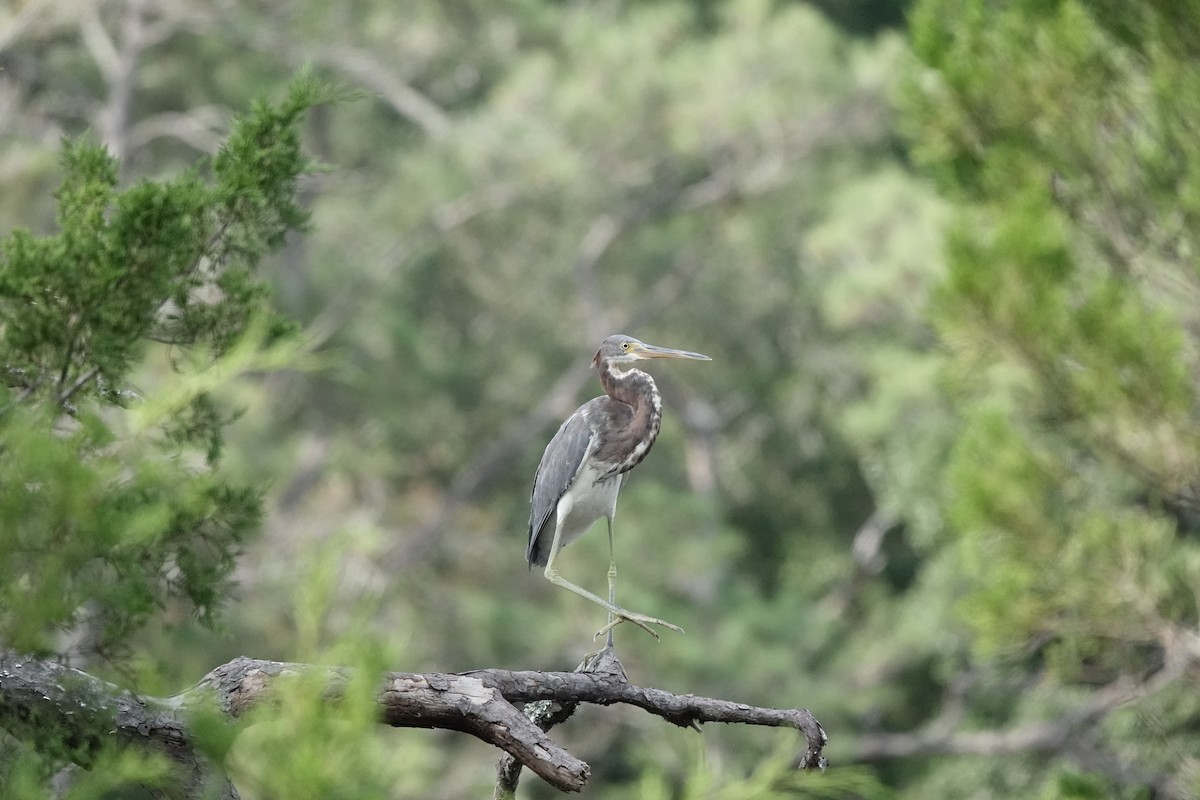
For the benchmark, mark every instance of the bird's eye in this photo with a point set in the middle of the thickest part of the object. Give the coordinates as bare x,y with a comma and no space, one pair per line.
624,345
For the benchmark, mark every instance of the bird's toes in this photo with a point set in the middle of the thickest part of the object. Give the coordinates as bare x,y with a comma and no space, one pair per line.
619,620
646,627
642,621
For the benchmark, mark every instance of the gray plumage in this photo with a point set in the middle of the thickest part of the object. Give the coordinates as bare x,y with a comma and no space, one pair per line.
562,466
557,471
584,465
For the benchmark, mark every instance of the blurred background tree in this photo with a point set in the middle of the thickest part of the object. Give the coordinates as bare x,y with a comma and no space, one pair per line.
938,486
113,501
1065,133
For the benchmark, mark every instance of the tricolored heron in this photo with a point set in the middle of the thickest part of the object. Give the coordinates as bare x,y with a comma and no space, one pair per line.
589,458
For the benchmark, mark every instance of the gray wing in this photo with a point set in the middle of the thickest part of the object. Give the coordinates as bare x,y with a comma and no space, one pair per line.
560,464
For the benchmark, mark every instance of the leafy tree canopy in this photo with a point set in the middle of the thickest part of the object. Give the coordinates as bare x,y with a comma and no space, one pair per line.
111,494
1066,131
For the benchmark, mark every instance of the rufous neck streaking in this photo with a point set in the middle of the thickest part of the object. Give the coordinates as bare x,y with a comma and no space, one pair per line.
626,446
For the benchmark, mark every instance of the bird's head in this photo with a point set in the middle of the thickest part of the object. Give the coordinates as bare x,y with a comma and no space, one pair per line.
621,349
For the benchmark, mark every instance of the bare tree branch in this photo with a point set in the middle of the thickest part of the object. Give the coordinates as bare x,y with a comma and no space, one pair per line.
480,703
117,61
365,69
68,392
99,44
943,736
200,128
545,715
15,26
601,679
36,695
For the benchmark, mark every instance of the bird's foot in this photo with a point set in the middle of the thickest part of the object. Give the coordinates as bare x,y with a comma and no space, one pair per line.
603,660
641,620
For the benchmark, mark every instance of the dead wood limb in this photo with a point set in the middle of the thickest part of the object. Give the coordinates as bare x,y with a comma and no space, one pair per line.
600,679
546,714
411,700
945,737
480,703
40,698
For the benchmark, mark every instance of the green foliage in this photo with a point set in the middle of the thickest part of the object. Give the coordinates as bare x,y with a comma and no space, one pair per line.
110,517
762,217
1069,318
342,752
106,533
1008,409
118,334
113,772
773,778
1097,404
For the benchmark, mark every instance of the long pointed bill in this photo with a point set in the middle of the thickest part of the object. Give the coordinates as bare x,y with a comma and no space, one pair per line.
654,351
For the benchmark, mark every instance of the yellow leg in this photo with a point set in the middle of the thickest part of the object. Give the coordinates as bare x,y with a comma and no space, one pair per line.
617,615
612,584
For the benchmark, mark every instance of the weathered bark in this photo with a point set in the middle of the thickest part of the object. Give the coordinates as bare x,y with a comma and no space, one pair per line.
39,695
39,698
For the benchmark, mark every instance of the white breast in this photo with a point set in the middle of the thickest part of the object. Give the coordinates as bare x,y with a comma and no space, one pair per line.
591,496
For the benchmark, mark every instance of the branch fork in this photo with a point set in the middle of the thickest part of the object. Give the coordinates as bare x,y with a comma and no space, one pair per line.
483,703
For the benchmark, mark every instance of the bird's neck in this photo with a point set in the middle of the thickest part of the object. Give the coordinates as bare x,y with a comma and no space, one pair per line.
637,390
